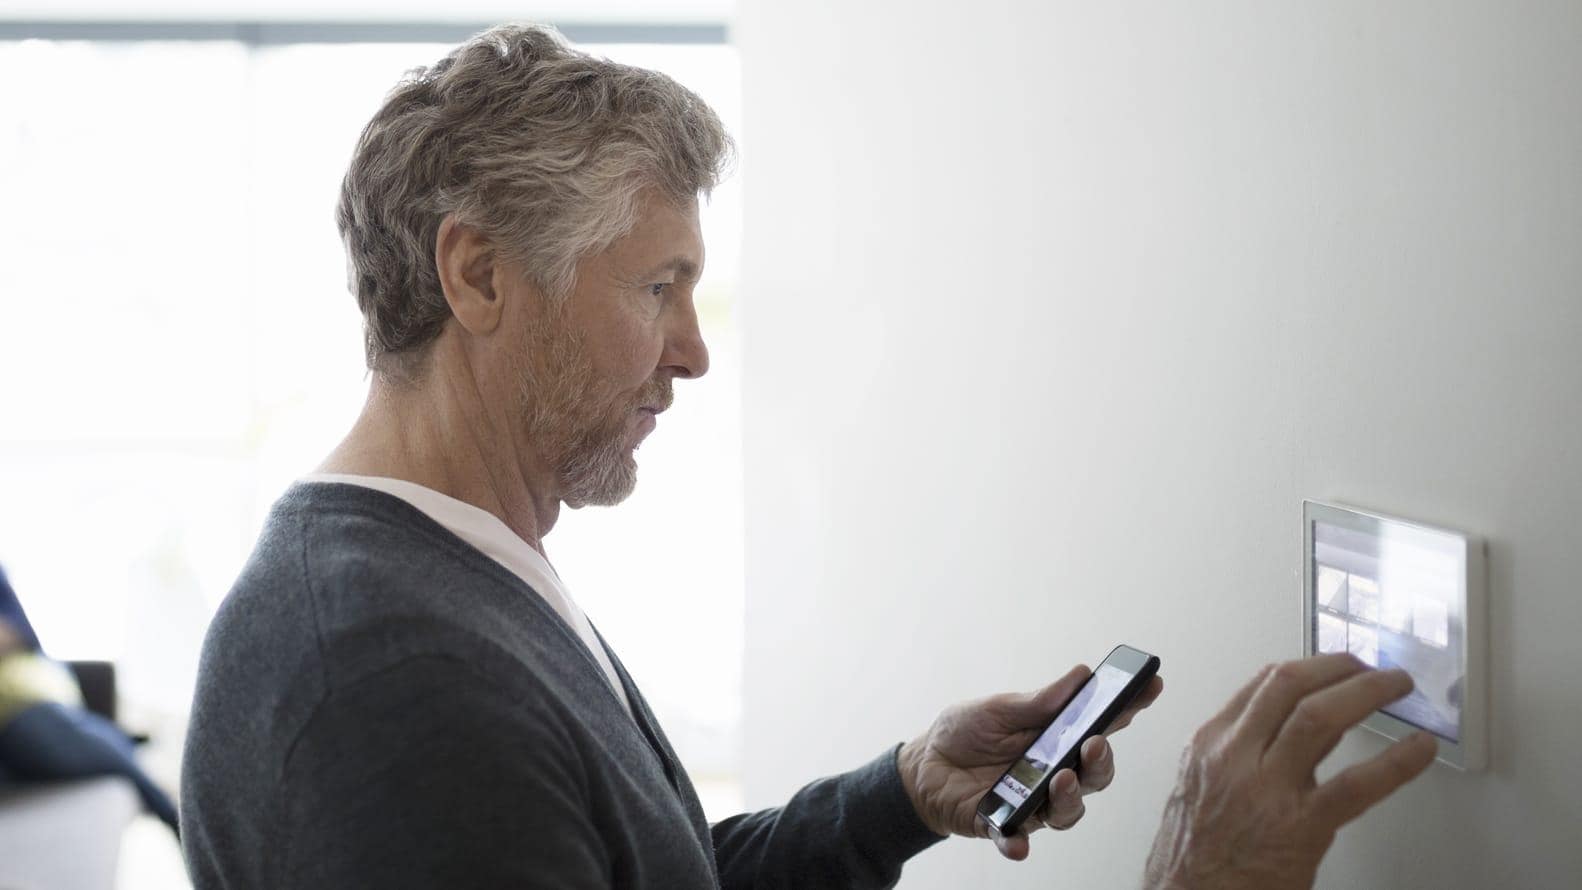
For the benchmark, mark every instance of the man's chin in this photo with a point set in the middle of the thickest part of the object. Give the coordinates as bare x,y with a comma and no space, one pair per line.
605,488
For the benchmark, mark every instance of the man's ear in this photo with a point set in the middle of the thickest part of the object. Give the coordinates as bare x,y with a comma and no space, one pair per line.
465,261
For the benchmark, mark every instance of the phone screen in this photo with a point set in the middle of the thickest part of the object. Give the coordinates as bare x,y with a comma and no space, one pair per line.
1097,694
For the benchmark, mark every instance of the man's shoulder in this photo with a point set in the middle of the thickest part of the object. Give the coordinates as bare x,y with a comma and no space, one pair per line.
346,539
349,582
343,589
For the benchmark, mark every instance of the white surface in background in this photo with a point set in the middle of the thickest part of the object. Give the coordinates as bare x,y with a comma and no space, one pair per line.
1055,312
150,858
63,835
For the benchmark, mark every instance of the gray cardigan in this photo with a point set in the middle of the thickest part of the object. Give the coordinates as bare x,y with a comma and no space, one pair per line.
381,705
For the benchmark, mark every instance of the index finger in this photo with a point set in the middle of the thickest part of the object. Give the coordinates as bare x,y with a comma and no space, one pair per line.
1318,721
1287,684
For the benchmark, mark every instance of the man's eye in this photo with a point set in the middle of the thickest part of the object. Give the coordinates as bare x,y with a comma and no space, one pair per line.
658,290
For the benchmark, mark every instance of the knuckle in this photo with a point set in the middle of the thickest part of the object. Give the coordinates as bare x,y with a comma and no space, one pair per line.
1284,680
1318,818
1203,756
1095,750
1287,673
1345,787
1202,741
1001,701
1308,719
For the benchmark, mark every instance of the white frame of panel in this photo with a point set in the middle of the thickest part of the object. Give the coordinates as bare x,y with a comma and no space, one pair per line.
1470,753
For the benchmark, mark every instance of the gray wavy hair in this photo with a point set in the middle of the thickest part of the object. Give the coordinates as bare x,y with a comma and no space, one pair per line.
542,148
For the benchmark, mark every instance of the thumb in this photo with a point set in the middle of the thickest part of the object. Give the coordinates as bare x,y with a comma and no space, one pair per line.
1036,708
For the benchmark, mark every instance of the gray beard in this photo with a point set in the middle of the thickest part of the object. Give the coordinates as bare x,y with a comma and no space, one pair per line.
570,421
600,475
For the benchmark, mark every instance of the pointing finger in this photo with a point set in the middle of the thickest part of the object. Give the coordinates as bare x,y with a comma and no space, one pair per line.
1319,720
1357,788
1283,687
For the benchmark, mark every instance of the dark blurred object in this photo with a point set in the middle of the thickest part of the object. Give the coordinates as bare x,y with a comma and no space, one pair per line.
97,680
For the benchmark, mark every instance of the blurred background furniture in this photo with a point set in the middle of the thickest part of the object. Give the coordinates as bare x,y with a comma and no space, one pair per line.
67,835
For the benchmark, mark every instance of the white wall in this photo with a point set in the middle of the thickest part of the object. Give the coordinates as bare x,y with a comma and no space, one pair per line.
1054,313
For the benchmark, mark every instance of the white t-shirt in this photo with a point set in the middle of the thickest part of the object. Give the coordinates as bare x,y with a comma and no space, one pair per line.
494,539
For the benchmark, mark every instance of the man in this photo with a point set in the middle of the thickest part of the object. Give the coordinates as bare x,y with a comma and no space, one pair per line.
400,692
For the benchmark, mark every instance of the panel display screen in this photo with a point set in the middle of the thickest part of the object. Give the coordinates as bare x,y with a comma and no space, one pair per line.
1393,597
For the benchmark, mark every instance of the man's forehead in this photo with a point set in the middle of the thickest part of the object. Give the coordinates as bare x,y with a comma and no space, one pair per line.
665,238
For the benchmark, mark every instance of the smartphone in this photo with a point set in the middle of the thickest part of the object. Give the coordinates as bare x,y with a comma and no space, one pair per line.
1090,711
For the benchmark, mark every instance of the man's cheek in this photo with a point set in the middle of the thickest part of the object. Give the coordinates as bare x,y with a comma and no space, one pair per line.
642,356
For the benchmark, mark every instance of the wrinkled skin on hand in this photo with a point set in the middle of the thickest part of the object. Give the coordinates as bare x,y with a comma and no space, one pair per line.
949,768
1247,811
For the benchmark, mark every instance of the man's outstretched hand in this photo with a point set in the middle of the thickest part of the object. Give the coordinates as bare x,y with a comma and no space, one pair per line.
1247,812
948,769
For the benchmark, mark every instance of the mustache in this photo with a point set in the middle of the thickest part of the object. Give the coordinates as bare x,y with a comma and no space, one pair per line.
659,392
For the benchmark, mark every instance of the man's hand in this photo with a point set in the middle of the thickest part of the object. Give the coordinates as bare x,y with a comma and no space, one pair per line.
949,768
1247,811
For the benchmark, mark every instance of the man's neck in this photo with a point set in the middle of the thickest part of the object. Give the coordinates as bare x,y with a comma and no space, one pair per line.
437,433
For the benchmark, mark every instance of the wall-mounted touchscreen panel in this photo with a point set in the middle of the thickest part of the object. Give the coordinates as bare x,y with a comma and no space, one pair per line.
1398,594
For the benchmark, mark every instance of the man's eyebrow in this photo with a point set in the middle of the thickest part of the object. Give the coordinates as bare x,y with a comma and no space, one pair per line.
682,265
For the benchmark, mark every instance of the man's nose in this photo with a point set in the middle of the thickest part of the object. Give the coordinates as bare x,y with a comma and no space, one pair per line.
686,353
